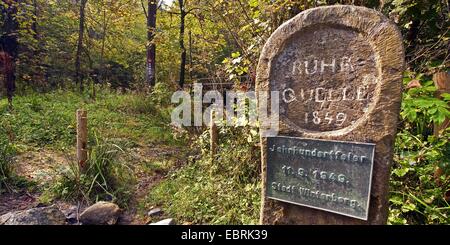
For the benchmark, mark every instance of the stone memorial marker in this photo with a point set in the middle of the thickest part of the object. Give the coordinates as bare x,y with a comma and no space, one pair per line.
338,71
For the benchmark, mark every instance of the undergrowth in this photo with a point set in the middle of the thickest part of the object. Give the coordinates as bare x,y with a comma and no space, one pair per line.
7,152
420,178
223,189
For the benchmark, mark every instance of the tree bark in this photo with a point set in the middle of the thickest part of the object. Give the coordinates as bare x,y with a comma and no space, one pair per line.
78,75
151,47
190,55
214,138
102,52
182,47
39,76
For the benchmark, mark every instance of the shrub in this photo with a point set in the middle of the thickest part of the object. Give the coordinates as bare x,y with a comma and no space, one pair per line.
161,94
224,189
418,195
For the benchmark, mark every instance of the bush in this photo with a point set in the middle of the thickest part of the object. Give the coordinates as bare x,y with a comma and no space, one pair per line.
419,195
161,94
224,189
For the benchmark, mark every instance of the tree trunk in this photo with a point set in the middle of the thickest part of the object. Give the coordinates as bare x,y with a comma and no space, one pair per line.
183,49
151,47
190,55
34,25
102,53
39,76
78,75
9,47
214,138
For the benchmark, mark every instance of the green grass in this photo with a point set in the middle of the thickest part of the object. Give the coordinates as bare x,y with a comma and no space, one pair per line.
116,123
158,166
49,119
7,152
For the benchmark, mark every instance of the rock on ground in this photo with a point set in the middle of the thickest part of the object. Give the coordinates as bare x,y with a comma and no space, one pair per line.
36,216
101,213
164,222
154,212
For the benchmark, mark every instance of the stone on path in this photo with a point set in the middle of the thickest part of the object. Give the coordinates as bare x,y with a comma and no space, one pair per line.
164,222
154,212
36,216
101,213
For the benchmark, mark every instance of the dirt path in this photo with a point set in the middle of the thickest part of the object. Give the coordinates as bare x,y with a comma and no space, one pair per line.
148,175
39,167
17,201
150,164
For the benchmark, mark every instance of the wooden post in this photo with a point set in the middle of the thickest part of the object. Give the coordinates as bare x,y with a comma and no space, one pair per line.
442,83
213,135
82,139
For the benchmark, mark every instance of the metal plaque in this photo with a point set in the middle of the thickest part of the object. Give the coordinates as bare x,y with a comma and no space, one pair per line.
334,176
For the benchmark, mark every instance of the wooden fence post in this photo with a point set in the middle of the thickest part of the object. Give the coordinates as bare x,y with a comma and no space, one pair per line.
82,139
442,83
213,135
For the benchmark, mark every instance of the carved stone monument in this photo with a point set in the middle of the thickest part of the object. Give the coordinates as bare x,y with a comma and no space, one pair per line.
338,71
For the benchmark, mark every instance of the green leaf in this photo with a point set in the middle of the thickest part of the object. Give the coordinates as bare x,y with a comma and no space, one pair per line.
432,110
408,207
446,96
396,200
400,172
253,3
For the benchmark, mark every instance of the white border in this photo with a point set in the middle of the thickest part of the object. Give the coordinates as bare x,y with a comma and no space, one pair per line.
324,209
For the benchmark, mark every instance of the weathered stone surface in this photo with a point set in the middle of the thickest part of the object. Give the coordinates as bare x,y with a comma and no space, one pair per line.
164,222
36,216
155,211
338,70
71,214
101,213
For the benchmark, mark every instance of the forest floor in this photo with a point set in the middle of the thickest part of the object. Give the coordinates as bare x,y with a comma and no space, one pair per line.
43,132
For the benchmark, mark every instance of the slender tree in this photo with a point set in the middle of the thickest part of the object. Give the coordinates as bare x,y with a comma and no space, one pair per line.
9,46
38,52
151,47
182,47
78,76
